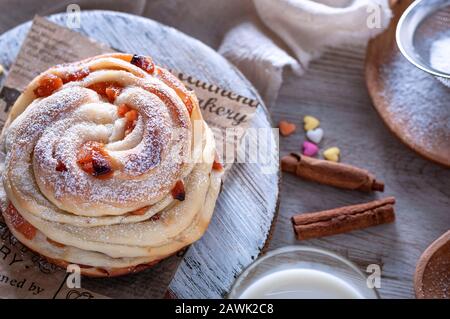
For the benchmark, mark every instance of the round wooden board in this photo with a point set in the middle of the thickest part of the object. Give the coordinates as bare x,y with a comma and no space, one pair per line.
413,104
248,203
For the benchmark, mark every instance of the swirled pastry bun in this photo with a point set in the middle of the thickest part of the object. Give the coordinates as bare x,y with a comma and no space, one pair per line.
107,163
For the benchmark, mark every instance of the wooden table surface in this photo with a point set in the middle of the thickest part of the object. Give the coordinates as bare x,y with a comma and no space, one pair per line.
334,90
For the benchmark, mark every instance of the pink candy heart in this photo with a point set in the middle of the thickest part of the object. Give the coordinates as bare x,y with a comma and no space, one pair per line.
309,149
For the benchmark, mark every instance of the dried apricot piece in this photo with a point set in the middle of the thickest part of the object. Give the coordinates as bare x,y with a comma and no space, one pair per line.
178,191
143,62
19,223
109,90
122,110
130,115
94,160
48,83
156,217
112,92
60,166
75,75
140,211
217,166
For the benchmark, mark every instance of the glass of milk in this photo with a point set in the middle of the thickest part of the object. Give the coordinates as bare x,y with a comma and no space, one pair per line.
302,272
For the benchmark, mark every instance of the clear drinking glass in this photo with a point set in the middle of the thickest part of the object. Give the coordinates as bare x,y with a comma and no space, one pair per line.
308,260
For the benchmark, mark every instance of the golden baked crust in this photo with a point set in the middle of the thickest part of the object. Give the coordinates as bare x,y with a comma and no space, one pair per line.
107,163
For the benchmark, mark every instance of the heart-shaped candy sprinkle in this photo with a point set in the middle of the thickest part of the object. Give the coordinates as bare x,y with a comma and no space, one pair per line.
286,128
309,149
332,154
310,122
315,135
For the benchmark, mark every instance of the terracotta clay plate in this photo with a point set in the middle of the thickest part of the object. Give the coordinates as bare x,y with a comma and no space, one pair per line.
413,104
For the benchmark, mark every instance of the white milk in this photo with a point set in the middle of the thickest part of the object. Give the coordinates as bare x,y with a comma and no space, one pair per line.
300,284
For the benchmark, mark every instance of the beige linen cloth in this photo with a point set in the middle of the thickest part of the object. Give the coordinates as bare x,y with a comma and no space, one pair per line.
261,37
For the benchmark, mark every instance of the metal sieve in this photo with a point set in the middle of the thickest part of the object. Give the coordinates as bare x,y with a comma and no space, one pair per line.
422,24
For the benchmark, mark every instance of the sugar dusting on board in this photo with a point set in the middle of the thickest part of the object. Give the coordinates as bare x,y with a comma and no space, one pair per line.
418,102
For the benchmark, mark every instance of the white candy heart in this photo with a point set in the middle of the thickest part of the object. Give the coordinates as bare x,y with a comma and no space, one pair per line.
315,135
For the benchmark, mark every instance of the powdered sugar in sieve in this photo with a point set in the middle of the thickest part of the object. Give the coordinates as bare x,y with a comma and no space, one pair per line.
423,37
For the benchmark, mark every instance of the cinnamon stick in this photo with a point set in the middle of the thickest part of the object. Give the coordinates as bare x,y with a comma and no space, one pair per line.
344,219
331,173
